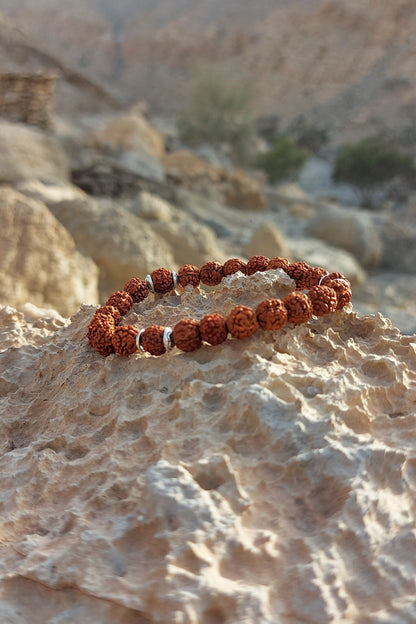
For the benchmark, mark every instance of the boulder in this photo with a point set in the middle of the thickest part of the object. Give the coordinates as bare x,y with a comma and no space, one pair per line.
232,187
398,246
39,260
121,244
27,153
131,132
266,240
355,231
261,481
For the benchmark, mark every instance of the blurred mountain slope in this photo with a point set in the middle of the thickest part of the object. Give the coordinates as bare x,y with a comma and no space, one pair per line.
344,63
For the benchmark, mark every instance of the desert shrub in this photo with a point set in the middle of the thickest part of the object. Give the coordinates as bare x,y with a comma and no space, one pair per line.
283,160
219,112
371,166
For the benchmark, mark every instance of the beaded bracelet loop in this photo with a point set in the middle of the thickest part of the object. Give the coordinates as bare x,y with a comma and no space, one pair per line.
317,293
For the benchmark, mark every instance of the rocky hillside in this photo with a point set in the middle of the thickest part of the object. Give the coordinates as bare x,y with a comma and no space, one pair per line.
75,91
346,64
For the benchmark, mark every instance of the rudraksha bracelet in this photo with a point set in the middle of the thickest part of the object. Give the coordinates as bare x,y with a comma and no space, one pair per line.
317,293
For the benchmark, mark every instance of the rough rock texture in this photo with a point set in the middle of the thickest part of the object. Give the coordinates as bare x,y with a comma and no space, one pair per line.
267,481
30,154
39,261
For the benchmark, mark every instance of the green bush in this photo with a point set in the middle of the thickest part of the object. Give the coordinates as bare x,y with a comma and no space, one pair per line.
371,165
283,160
219,113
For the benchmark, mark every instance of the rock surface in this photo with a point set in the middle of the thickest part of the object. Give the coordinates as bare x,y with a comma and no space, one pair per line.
269,481
30,154
39,261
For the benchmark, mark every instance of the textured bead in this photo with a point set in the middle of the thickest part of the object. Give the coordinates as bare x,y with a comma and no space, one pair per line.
213,328
330,276
188,274
342,290
108,311
315,274
186,335
152,340
298,306
124,340
162,281
278,263
137,289
120,300
257,263
323,299
100,335
298,271
242,322
271,314
211,273
233,265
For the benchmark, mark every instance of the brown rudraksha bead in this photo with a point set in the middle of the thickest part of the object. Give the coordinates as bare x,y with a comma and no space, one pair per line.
271,314
330,276
137,289
162,281
257,263
188,274
278,263
120,300
342,290
298,306
233,265
314,276
242,322
124,340
100,335
186,335
213,328
298,271
211,273
108,311
323,299
152,340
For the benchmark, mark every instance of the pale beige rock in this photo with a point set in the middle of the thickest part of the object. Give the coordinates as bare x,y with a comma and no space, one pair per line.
27,153
267,480
354,230
38,258
131,133
235,188
122,245
151,207
268,241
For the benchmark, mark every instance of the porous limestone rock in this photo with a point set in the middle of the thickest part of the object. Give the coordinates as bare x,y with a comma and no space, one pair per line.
30,154
268,481
39,260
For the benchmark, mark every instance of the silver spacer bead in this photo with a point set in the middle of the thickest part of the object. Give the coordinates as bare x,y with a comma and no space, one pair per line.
149,282
322,278
175,278
339,279
138,341
167,338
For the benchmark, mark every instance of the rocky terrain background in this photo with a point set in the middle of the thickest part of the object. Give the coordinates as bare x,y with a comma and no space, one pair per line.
344,64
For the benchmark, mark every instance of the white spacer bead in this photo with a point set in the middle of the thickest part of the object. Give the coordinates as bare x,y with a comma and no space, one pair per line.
138,341
322,278
149,282
175,278
167,338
